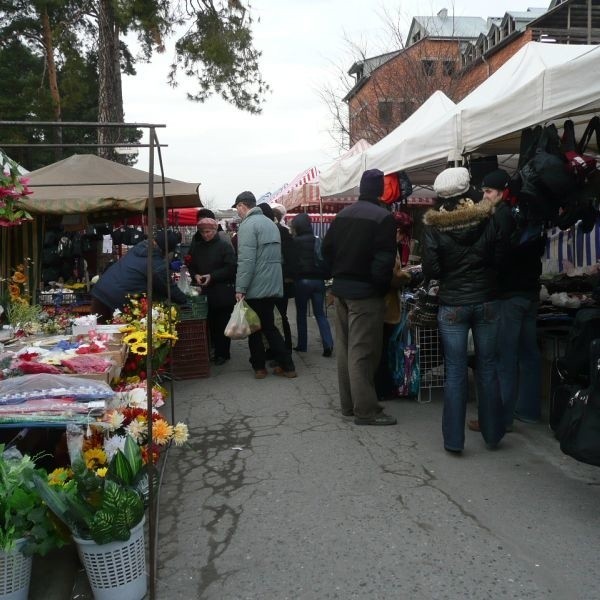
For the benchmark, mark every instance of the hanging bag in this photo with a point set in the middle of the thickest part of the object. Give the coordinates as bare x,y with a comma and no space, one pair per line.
403,360
243,322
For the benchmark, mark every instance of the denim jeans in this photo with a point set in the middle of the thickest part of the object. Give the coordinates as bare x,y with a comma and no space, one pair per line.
313,290
519,361
454,324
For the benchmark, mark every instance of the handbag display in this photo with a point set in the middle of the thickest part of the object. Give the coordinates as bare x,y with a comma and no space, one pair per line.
403,360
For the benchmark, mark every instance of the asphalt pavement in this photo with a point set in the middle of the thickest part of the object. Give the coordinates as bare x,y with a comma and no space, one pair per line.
277,496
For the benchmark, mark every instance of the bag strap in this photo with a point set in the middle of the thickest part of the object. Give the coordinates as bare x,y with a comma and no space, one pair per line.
592,127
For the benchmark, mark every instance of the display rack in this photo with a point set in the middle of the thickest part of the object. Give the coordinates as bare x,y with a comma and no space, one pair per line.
431,361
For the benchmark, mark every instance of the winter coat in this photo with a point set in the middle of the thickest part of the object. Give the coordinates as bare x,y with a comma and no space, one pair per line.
259,257
520,270
128,276
304,241
289,254
217,259
462,250
360,246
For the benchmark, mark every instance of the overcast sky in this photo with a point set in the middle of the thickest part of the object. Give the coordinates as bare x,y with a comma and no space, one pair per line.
302,41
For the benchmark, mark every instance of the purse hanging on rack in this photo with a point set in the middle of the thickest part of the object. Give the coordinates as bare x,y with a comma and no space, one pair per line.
403,359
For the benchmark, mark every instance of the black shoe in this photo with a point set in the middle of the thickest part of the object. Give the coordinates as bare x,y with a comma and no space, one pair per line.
328,352
380,419
220,360
453,450
348,412
296,349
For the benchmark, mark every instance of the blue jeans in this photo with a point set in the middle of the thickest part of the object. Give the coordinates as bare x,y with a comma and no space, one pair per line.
313,290
454,324
519,362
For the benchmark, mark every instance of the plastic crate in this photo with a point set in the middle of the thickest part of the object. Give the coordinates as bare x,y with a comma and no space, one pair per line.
190,354
198,309
64,298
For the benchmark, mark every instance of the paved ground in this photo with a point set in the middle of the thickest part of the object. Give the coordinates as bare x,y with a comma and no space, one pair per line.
278,497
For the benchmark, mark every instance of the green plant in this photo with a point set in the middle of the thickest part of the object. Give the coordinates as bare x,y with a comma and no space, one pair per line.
23,317
100,504
22,511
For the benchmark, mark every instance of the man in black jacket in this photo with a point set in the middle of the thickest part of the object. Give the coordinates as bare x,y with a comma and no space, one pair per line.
360,246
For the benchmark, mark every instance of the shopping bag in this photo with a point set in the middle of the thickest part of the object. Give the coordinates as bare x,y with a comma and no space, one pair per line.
243,322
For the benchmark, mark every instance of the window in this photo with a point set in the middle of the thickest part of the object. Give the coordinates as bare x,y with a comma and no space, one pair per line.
449,67
385,111
428,67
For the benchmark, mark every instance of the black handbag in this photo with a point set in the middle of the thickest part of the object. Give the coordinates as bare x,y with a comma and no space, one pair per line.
579,428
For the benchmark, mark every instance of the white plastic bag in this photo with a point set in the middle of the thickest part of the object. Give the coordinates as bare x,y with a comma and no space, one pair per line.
184,281
243,322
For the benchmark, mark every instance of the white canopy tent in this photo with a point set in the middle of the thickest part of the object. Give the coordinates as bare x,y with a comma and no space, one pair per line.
344,175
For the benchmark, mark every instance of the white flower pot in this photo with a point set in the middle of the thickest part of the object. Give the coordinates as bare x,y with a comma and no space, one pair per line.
117,570
15,573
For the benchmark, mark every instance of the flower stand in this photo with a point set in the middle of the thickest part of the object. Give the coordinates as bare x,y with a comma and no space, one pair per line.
15,573
116,571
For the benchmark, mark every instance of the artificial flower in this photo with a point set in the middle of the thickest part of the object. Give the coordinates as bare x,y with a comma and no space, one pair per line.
114,443
19,277
180,434
101,472
161,432
94,457
14,290
137,430
115,420
59,476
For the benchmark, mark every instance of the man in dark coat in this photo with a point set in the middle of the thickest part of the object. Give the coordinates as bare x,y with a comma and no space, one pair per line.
360,246
129,276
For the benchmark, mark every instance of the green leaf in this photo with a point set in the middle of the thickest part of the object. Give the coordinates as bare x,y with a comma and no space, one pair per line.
134,456
119,469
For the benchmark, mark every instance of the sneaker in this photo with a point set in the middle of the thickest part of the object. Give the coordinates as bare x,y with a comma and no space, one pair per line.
473,425
283,373
328,352
380,419
260,373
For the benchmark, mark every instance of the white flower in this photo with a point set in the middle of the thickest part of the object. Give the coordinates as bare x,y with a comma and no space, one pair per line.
180,434
137,398
114,443
137,430
115,420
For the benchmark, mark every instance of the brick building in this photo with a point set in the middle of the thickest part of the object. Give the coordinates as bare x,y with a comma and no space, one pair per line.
455,55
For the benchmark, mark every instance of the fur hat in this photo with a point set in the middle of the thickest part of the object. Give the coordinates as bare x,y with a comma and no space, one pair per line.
247,198
173,238
371,183
452,182
497,180
207,223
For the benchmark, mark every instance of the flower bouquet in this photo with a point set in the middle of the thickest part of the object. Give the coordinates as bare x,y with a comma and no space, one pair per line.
12,187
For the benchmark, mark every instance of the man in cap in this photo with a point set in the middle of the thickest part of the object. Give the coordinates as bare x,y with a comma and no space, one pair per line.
360,246
519,362
129,276
259,281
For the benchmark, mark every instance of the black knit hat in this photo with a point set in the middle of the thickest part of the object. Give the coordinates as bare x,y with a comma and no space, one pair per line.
497,180
371,183
247,198
173,238
267,210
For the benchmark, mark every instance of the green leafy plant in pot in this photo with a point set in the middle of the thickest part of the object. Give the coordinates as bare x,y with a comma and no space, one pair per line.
23,514
100,504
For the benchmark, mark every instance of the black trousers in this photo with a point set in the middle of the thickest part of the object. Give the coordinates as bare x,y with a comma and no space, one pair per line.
282,305
264,309
218,317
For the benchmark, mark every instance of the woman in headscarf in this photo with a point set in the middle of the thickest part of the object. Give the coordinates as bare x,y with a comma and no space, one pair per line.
213,266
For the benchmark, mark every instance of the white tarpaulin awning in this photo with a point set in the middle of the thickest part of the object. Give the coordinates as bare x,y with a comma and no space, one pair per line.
86,183
343,176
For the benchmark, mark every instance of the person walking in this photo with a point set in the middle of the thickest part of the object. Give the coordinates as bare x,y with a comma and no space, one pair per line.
212,266
259,281
129,276
462,248
310,285
289,265
360,247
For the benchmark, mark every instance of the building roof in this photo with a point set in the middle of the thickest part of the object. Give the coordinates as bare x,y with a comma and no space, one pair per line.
362,70
448,26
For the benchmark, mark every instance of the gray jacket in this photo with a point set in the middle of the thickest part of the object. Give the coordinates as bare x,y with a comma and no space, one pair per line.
259,257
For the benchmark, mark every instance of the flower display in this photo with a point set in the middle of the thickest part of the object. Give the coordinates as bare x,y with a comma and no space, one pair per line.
12,187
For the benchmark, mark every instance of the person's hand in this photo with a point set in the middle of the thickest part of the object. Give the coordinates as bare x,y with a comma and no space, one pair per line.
205,279
239,296
198,279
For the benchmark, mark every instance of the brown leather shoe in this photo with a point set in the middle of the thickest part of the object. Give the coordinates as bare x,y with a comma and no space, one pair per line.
282,373
473,425
260,373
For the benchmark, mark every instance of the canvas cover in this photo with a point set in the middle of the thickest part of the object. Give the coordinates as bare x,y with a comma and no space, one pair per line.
85,183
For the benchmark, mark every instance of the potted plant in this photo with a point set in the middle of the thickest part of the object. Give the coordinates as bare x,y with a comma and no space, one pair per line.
26,524
103,507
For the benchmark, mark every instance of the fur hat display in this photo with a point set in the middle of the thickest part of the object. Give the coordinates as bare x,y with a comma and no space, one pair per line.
247,198
371,183
497,180
452,182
